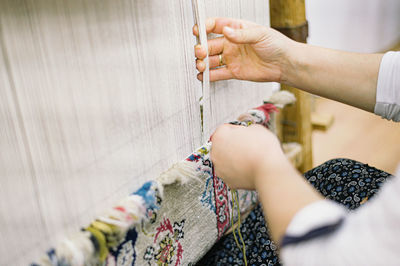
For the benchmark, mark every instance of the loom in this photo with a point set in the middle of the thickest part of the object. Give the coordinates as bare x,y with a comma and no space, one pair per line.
98,98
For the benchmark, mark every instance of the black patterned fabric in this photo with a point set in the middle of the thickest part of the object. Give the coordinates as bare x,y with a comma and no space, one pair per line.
345,181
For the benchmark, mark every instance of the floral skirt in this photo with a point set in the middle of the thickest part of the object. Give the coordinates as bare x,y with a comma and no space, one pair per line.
345,181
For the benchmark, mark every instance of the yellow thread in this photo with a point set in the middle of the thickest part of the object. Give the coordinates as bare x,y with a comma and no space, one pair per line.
103,227
364,200
233,231
203,151
101,239
235,201
239,232
146,233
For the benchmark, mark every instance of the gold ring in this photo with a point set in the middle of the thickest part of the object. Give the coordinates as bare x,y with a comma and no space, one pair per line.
220,60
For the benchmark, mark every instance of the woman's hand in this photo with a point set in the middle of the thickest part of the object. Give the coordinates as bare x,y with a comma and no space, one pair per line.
256,53
249,51
251,158
241,155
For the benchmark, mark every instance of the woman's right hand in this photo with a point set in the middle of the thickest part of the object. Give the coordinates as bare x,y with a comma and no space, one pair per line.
241,155
249,51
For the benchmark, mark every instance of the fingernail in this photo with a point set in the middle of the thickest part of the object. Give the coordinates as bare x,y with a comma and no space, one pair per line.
229,31
197,50
200,65
209,22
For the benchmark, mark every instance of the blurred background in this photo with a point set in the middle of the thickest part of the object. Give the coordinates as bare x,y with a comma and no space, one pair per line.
366,26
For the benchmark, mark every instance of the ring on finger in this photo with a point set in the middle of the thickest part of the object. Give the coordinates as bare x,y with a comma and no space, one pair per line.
221,63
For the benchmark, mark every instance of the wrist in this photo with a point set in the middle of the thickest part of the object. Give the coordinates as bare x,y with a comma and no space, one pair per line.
294,63
270,169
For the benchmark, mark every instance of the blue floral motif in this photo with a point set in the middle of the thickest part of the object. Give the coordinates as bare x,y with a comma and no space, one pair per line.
206,198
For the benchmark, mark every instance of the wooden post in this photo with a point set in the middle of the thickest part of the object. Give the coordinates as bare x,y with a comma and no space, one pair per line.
289,17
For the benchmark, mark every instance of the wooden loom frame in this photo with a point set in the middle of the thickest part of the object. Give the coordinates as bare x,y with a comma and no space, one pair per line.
289,17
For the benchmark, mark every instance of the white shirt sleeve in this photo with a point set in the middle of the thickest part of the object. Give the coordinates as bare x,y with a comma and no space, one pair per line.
325,233
368,236
388,87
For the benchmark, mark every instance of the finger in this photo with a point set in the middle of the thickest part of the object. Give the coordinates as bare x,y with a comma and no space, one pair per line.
200,65
249,35
216,25
215,46
223,130
214,160
218,130
200,52
210,23
246,117
195,30
217,74
214,61
220,74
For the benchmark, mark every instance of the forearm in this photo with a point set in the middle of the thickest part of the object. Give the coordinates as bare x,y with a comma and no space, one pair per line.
283,192
349,78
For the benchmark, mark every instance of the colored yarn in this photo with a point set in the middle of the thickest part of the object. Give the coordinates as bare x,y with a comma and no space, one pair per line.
267,109
101,240
235,201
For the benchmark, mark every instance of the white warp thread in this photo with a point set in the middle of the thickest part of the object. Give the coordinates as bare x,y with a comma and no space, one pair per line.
98,97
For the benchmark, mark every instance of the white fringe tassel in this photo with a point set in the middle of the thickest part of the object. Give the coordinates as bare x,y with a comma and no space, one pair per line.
282,98
182,172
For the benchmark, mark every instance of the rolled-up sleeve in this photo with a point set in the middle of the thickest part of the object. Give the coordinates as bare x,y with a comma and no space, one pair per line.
315,220
324,233
388,87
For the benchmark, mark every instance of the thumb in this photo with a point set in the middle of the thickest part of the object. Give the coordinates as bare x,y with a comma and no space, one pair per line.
243,36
